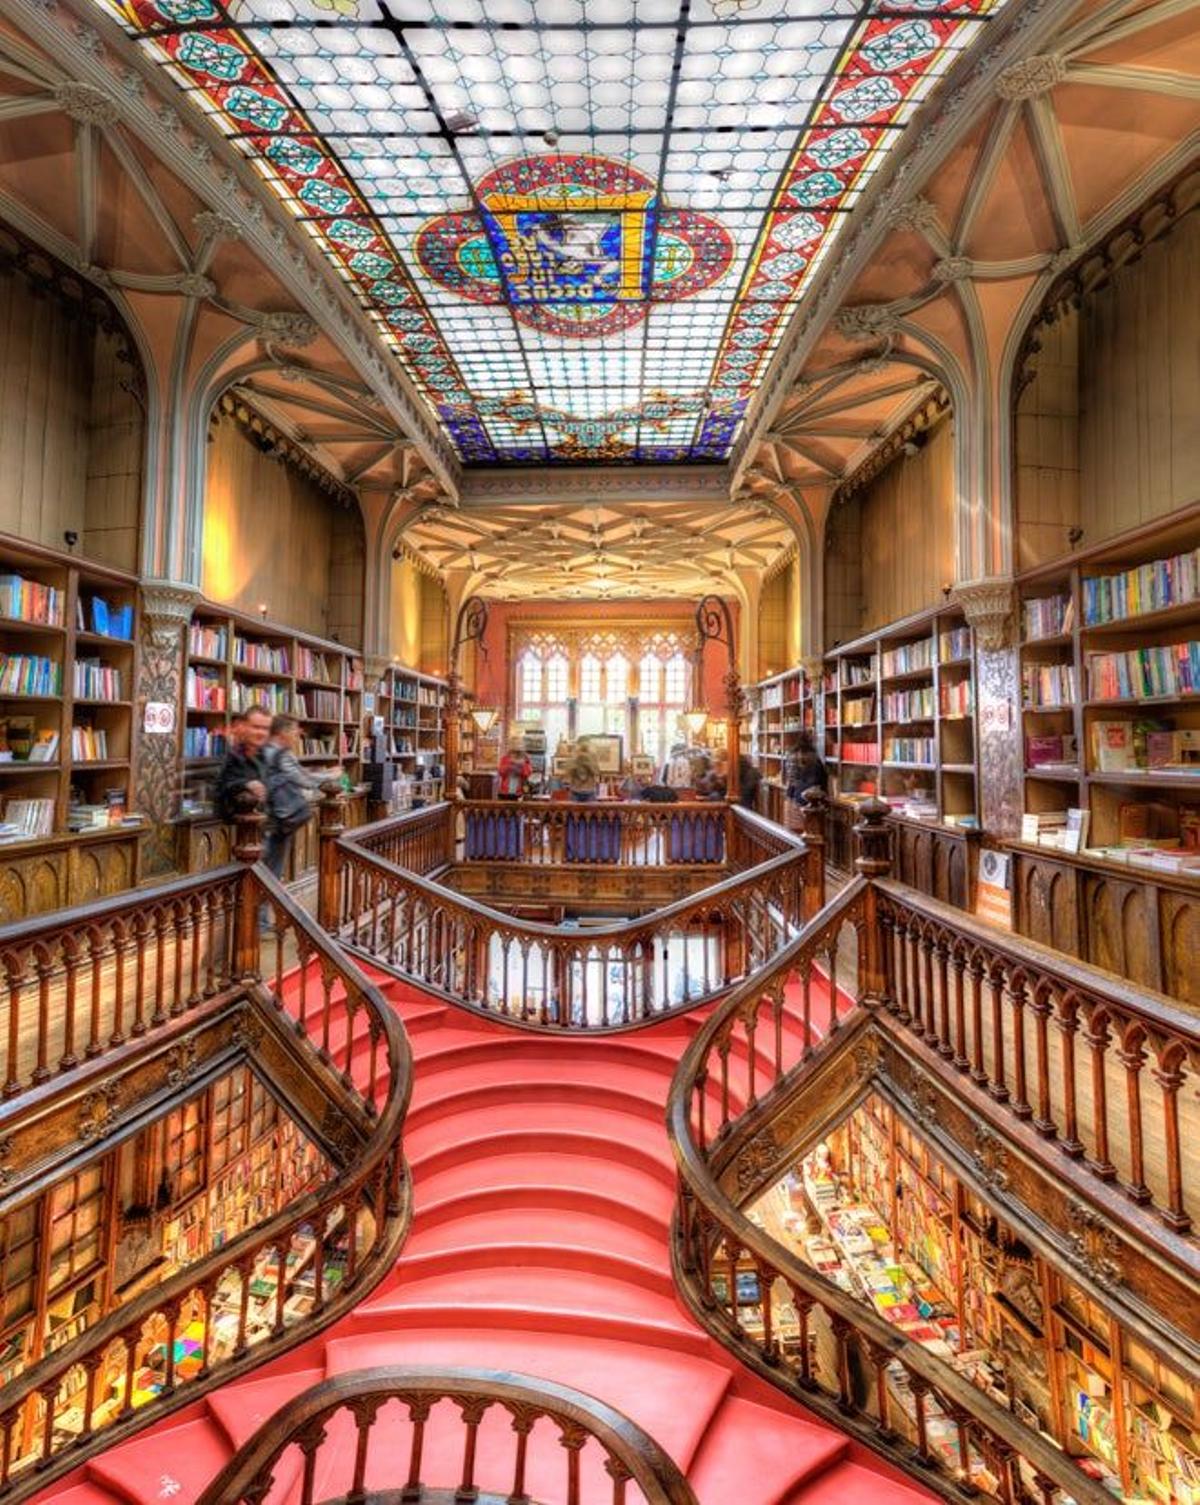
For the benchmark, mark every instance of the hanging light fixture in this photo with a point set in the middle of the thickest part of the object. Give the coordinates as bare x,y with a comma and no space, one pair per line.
484,717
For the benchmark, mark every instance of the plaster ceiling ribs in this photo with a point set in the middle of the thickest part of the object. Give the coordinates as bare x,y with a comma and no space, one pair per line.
1078,133
79,63
674,549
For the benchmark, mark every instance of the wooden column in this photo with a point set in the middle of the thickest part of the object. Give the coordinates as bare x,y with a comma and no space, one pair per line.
332,825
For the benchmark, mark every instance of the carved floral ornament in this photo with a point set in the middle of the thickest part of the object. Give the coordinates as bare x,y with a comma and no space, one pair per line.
1031,76
167,608
1094,1246
988,608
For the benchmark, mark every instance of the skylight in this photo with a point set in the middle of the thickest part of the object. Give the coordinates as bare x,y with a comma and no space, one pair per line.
582,225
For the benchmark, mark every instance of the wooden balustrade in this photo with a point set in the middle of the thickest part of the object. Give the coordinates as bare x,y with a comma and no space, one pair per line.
556,977
330,1431
81,983
626,834
1096,1066
728,1126
322,1251
420,840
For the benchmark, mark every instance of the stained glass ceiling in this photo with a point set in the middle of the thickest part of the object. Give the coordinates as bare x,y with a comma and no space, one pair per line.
582,225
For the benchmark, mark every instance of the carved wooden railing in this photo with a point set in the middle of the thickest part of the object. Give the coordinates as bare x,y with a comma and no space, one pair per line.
563,1445
556,977
304,1013
1093,1065
625,834
830,1350
82,983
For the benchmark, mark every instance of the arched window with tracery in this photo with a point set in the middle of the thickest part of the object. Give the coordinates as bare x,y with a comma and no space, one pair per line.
543,687
662,700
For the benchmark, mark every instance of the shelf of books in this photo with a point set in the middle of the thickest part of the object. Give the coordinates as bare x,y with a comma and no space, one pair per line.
784,705
235,662
1110,700
413,708
899,720
68,667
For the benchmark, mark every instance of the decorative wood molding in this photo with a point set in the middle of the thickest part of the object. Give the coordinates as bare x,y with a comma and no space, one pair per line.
988,607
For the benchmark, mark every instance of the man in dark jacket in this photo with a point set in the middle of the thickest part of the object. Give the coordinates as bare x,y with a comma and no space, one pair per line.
242,771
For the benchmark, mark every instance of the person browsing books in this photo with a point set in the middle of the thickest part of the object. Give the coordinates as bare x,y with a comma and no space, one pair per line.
242,773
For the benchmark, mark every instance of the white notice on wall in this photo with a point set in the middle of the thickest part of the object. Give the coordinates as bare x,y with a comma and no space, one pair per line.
159,718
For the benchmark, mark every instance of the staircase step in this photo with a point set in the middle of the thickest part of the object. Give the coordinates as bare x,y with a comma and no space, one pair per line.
852,1482
525,1221
672,1395
241,1409
166,1463
786,1449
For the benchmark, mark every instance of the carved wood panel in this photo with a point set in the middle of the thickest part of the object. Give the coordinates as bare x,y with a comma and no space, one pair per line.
1180,930
1122,928
1048,903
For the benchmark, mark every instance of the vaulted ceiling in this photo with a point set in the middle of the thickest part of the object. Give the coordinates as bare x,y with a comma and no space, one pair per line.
1029,152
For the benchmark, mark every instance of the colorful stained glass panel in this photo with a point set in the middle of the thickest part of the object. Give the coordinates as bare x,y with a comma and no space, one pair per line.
583,226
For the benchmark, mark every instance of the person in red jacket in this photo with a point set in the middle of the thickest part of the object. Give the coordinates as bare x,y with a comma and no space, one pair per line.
515,771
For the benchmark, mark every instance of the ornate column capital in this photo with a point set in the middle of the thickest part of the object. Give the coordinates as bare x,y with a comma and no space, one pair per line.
988,608
167,606
375,666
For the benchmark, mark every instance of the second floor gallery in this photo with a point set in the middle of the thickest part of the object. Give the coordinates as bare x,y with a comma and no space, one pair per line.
599,752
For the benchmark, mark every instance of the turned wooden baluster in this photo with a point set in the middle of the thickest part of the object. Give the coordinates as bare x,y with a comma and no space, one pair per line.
997,1087
1020,1100
96,951
15,974
1133,1058
959,962
1170,1077
1067,1022
929,1029
880,1359
1098,1040
945,1044
419,1408
573,1438
1041,1009
161,927
309,1440
842,1336
473,1410
920,1391
975,970
71,960
44,962
181,938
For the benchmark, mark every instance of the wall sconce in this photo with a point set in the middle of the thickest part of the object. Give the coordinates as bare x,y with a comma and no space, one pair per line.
263,608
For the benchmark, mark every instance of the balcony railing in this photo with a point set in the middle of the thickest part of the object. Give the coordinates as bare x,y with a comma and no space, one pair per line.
755,1089
555,977
557,1444
180,982
629,834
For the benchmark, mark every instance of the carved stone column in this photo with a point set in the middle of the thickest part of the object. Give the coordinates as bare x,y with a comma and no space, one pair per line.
990,608
166,613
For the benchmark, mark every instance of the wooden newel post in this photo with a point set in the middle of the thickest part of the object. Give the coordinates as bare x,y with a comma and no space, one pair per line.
872,860
815,809
247,848
332,823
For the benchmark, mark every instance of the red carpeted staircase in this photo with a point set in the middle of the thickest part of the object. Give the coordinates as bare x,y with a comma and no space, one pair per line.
543,1189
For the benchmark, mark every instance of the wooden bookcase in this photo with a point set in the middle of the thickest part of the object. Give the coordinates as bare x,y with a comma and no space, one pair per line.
784,705
899,718
235,661
413,708
68,637
1139,916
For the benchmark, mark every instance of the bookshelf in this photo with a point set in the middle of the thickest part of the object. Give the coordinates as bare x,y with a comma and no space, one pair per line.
1110,722
784,705
68,673
412,706
899,719
235,661
1110,656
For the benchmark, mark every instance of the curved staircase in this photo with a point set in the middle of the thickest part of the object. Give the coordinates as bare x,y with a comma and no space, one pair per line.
544,1189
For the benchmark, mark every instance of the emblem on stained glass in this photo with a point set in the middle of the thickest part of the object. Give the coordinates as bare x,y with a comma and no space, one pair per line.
201,54
838,147
863,100
817,188
298,158
902,44
257,109
323,196
606,436
577,246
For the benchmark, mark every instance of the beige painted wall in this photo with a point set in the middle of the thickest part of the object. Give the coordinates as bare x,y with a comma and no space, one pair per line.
71,434
272,537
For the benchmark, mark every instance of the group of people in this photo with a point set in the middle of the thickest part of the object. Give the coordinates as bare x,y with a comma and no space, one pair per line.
685,768
261,771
